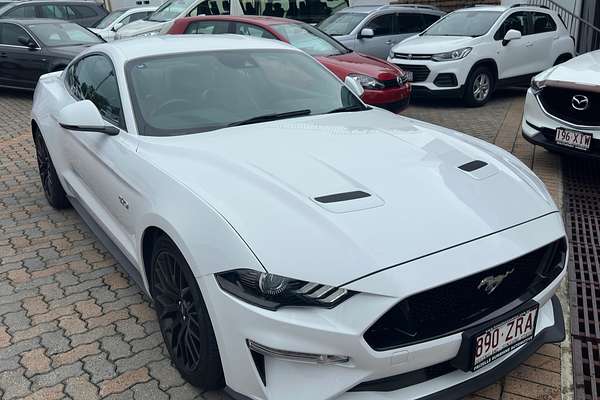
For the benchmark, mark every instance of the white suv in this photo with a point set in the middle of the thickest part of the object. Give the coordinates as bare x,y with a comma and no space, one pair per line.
473,51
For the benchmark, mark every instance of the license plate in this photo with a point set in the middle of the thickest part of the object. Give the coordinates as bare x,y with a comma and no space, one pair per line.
409,75
573,139
503,338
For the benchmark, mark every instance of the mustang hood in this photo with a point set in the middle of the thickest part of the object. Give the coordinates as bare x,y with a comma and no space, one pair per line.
432,44
582,70
331,198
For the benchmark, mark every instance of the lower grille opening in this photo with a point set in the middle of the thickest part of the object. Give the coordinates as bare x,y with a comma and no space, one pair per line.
396,382
451,308
259,363
446,80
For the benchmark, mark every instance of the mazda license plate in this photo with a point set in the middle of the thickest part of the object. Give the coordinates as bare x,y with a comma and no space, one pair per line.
573,139
504,337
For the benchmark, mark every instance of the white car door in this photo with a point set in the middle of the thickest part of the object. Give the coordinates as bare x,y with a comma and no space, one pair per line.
101,165
545,32
514,58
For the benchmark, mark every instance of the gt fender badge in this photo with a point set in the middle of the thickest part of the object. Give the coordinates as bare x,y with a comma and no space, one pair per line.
491,283
124,202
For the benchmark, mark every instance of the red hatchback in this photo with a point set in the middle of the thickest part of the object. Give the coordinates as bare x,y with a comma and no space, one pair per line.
385,85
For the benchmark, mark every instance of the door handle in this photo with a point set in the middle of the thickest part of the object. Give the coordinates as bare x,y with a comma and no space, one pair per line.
389,42
529,45
3,55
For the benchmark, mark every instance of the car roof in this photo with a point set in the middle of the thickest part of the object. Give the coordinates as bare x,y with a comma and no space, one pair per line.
31,21
128,49
367,9
251,19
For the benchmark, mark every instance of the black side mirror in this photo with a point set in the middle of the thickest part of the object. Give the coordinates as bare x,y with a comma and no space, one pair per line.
25,41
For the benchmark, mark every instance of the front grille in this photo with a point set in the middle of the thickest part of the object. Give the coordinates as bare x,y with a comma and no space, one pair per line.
420,72
450,308
391,83
446,80
407,56
559,103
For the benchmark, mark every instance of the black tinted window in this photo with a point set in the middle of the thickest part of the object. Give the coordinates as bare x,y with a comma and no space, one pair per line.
10,33
409,23
543,23
53,11
84,11
310,11
208,27
517,21
382,25
429,19
220,7
93,78
21,12
135,17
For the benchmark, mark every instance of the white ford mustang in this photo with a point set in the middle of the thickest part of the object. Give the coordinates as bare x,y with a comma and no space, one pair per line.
298,244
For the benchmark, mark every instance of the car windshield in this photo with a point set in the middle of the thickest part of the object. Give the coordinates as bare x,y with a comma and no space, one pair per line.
182,94
310,40
109,19
341,23
63,34
170,10
464,23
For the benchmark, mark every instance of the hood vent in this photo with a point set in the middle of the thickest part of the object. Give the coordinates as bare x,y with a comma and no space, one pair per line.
338,197
473,166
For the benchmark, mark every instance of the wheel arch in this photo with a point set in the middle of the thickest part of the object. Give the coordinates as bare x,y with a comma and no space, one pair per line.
563,58
149,237
487,62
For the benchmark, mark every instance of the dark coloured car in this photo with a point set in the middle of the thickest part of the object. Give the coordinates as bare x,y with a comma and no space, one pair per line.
32,47
85,13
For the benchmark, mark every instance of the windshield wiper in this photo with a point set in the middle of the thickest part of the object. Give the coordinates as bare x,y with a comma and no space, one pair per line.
271,117
355,107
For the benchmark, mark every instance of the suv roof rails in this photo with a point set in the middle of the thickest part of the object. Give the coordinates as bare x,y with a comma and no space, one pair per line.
423,6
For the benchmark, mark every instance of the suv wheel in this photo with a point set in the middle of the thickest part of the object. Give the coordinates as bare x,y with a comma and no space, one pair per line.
479,87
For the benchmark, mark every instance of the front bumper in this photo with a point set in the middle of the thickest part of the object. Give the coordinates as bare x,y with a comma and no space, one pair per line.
392,99
431,85
339,331
539,128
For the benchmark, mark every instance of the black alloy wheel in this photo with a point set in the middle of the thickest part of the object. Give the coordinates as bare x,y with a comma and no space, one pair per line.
183,318
53,190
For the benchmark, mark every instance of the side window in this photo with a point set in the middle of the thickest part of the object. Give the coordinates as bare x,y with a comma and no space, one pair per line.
84,12
71,13
542,23
429,19
21,12
93,78
9,34
135,17
211,7
382,25
252,30
208,27
409,23
52,11
517,21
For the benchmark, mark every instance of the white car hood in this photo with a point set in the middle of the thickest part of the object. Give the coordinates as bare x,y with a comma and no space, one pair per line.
583,70
263,179
432,44
139,27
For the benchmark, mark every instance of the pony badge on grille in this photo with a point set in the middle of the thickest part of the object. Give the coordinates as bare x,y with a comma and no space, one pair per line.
490,283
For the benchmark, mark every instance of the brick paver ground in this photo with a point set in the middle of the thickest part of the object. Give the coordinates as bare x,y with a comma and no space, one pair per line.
72,325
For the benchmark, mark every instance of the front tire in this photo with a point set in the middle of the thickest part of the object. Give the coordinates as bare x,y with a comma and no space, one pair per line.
479,87
183,318
53,190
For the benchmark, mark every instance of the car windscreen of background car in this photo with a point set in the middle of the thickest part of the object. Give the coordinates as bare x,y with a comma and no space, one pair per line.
464,23
63,34
198,92
109,19
170,10
341,23
310,39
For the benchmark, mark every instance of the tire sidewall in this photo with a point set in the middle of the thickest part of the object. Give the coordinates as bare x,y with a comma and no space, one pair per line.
469,95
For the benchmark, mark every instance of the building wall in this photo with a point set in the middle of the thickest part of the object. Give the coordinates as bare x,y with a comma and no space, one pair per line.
451,5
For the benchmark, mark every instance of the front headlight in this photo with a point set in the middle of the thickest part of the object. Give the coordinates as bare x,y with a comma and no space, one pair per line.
537,86
272,291
452,55
367,82
151,33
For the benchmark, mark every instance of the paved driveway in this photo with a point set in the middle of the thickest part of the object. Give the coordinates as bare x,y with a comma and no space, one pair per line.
72,325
